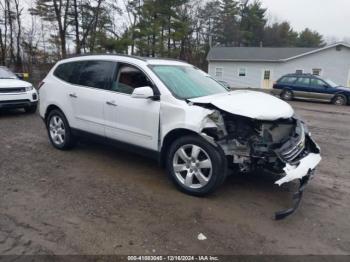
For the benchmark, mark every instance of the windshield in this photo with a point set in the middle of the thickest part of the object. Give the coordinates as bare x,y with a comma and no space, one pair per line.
187,82
331,83
7,74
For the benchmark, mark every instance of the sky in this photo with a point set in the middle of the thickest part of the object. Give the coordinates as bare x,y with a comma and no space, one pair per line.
329,17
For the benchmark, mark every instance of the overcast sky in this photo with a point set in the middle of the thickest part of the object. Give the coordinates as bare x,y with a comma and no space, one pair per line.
329,17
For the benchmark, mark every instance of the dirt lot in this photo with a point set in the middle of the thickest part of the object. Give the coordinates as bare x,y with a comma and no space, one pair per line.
100,200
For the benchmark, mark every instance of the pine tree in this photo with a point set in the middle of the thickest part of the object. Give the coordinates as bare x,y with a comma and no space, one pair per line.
308,38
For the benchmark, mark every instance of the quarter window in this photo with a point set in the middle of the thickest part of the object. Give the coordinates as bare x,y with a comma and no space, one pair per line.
97,74
69,72
242,72
128,79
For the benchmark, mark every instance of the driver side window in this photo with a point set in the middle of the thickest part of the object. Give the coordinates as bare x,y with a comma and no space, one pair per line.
128,79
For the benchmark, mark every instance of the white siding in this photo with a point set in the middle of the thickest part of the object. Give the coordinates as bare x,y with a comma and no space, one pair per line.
334,64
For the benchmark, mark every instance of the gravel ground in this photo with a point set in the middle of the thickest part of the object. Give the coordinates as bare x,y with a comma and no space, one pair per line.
97,199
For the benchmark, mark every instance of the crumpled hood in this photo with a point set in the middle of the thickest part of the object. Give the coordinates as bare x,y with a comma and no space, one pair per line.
256,105
13,83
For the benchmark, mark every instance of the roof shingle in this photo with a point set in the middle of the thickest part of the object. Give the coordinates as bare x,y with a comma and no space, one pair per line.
274,54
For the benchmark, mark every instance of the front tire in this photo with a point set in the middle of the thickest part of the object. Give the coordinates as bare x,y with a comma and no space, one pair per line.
340,100
59,131
195,166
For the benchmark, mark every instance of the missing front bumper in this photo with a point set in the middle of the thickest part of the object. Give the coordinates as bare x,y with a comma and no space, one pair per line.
297,197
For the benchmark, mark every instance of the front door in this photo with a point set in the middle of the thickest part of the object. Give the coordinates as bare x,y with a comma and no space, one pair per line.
267,79
349,79
128,119
321,90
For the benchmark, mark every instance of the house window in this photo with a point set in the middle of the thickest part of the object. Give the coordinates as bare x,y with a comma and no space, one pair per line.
299,71
242,72
316,71
219,71
267,75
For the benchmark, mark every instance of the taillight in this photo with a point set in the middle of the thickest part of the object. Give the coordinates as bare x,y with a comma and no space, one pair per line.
41,84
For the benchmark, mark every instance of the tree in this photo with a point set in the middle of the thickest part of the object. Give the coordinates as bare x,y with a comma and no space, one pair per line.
252,24
308,38
55,11
208,23
280,35
227,29
18,14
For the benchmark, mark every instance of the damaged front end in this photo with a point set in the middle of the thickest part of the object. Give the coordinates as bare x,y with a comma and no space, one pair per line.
281,146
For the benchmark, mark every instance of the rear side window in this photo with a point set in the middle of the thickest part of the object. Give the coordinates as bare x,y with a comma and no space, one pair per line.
97,74
287,80
69,72
305,81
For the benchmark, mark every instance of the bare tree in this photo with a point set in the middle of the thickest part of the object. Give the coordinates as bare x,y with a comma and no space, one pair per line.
18,14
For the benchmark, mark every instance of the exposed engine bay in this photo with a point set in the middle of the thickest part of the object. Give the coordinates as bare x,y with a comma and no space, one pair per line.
283,147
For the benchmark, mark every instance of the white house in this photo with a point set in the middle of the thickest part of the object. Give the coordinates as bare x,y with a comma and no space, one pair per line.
259,67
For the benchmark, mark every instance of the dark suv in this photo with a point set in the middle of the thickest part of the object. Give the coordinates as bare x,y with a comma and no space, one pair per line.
311,87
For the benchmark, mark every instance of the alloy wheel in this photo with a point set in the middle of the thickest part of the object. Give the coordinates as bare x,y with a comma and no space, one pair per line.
339,100
57,130
192,166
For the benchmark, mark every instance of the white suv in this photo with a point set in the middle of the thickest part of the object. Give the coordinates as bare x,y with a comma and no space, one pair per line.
15,93
171,110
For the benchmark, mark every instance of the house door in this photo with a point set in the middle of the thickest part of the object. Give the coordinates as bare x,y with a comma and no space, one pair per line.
349,79
267,79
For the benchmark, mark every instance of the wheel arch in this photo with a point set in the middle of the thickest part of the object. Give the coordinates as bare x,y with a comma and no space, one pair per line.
56,107
341,93
287,88
170,138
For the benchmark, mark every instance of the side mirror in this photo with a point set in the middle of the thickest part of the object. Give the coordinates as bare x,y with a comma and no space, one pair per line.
20,76
143,92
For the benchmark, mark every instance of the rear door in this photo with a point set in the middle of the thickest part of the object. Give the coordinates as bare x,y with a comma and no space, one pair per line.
131,120
89,95
301,87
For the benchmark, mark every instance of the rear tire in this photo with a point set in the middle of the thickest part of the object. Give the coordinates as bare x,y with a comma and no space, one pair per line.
195,166
59,131
31,109
340,100
287,95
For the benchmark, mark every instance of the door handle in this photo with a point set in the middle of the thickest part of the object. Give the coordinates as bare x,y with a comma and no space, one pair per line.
73,95
111,103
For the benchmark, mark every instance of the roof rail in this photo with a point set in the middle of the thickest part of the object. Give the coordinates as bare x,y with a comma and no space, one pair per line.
105,54
145,59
